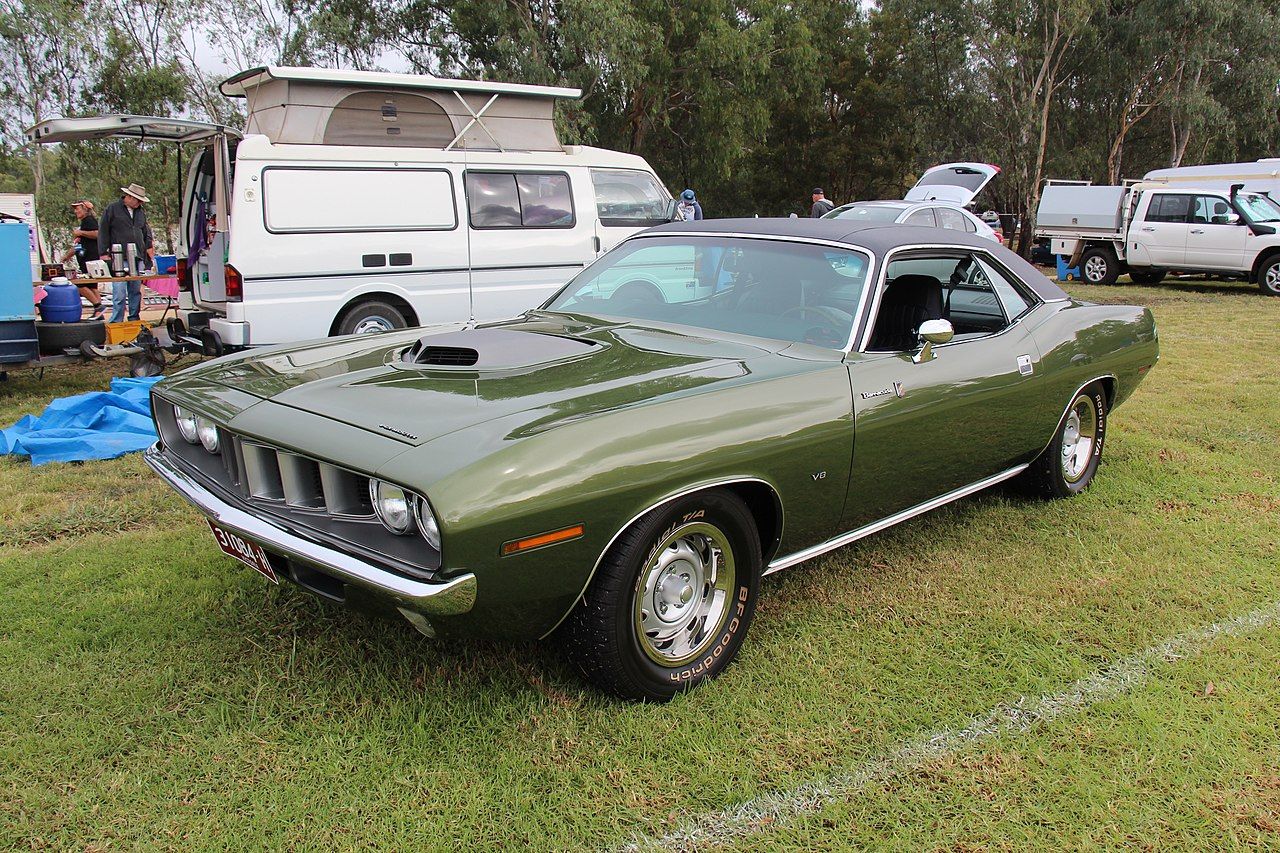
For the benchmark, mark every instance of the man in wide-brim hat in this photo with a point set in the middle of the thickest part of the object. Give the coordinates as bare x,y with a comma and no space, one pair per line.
124,222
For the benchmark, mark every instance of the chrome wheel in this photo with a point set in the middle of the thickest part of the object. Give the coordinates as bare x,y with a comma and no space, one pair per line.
1095,269
1079,437
684,593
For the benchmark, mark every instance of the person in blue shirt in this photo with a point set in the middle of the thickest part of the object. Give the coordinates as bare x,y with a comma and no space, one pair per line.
688,208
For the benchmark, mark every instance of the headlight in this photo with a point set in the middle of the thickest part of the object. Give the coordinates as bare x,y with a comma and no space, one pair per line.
393,506
186,424
427,525
208,434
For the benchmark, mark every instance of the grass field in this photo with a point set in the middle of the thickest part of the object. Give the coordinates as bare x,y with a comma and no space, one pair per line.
154,694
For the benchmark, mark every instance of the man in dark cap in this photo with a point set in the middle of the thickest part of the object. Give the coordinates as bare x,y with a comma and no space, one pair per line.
821,206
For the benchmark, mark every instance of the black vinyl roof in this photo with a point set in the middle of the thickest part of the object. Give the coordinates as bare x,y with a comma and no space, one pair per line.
880,238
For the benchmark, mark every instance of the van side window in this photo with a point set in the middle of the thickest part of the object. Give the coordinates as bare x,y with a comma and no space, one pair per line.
519,200
302,200
629,198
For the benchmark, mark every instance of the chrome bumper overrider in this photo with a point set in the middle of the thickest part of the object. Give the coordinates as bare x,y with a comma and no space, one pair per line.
444,598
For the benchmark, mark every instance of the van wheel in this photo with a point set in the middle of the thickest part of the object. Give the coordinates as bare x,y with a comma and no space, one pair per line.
1099,266
372,316
1269,276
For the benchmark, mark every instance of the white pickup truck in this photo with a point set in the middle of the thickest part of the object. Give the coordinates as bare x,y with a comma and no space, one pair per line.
1149,229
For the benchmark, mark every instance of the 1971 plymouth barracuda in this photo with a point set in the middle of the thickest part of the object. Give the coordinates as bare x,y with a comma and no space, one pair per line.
622,466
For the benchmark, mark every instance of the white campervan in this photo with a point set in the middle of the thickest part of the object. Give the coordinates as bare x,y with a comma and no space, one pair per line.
360,201
1260,176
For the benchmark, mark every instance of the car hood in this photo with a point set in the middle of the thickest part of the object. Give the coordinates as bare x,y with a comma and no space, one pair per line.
418,385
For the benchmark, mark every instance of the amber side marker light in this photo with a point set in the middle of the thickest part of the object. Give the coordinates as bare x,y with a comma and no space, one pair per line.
515,546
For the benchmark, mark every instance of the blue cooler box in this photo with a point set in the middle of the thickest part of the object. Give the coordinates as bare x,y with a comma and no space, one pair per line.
1066,273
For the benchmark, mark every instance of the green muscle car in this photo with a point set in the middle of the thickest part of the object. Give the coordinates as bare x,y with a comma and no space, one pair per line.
622,465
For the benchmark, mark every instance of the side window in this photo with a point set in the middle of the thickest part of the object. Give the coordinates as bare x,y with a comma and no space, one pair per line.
492,200
1015,301
1169,208
969,225
949,218
1211,209
519,200
922,217
975,296
628,198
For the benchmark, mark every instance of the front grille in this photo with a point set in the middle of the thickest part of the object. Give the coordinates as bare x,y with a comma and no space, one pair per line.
329,501
269,474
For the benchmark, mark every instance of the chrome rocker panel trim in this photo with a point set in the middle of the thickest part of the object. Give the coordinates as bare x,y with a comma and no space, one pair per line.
447,598
876,526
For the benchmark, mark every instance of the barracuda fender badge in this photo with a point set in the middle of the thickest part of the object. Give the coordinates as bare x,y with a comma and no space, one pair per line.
401,432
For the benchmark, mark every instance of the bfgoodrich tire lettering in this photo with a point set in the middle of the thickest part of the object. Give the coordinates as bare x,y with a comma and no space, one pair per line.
1069,463
672,600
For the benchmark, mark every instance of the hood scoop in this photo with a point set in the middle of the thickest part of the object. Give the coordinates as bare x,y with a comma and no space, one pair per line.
493,349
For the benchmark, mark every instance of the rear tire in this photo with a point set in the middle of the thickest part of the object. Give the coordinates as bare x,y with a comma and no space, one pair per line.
1147,276
1269,276
671,601
372,316
1099,266
1068,465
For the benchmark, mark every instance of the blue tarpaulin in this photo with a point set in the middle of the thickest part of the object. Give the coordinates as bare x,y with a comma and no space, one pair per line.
99,425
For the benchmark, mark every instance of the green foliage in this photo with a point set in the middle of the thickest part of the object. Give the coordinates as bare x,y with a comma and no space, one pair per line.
750,102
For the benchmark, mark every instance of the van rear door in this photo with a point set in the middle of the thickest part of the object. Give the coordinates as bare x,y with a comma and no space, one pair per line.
958,183
213,193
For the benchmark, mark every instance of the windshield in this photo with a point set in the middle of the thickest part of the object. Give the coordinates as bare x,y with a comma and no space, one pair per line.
765,288
1258,208
867,212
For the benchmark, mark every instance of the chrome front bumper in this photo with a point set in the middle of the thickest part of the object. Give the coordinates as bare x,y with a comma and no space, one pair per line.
451,597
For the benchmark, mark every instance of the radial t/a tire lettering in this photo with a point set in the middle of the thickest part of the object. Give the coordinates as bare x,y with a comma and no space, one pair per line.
671,601
1068,465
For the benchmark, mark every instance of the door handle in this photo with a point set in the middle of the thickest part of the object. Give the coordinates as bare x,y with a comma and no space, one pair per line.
597,243
1147,228
1197,230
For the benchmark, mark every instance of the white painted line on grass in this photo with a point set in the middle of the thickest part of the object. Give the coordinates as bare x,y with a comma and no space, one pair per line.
1117,679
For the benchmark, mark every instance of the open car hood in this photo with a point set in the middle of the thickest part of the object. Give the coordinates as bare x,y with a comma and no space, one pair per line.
958,183
424,383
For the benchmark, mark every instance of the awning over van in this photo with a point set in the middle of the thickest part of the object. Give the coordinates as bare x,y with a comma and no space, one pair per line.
317,106
125,126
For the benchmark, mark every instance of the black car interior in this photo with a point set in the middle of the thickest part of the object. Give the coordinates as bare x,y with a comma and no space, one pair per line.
920,288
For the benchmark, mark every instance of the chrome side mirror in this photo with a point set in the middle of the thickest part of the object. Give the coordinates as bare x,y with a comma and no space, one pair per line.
932,332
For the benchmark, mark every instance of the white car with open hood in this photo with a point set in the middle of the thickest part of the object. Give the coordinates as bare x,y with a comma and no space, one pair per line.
363,201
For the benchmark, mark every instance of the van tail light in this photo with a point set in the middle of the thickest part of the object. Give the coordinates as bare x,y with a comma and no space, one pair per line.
184,275
235,284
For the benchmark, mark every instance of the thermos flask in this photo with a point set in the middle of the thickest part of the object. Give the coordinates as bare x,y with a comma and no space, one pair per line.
131,258
117,259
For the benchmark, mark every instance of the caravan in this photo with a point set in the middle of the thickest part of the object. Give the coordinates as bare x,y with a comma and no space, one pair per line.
363,201
1261,176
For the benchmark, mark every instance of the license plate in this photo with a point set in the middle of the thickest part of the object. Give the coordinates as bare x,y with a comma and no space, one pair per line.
249,553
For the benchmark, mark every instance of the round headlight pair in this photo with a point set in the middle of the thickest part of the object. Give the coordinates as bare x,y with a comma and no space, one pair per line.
195,429
400,511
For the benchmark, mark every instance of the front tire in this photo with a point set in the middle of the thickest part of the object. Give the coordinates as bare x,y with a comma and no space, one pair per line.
1099,266
672,600
1068,465
1269,276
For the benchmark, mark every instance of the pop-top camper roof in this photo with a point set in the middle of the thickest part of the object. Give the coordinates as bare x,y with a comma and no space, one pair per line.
318,106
